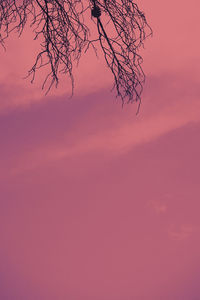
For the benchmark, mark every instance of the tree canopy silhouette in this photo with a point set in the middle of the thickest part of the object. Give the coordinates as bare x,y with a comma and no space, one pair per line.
64,30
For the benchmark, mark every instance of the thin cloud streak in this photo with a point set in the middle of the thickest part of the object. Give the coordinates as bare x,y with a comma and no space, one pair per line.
118,137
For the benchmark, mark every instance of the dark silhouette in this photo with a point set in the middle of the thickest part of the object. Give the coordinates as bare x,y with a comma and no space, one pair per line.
62,27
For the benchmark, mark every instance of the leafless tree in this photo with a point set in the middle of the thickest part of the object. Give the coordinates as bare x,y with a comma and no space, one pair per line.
62,27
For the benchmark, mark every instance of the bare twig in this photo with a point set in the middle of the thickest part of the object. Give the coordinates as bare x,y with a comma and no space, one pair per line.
61,26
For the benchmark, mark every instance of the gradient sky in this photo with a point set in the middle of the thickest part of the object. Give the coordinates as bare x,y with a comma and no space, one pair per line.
96,202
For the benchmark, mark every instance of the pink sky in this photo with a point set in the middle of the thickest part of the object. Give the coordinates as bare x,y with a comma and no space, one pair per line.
96,202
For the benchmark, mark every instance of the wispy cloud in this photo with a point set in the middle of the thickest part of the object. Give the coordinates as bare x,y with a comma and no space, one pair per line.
183,232
170,102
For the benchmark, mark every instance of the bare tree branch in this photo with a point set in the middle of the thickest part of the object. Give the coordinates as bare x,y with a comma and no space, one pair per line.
62,27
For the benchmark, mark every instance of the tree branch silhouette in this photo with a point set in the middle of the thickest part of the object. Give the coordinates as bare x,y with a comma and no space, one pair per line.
62,27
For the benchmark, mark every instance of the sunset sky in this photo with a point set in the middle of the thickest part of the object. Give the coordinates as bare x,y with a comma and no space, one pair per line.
97,203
